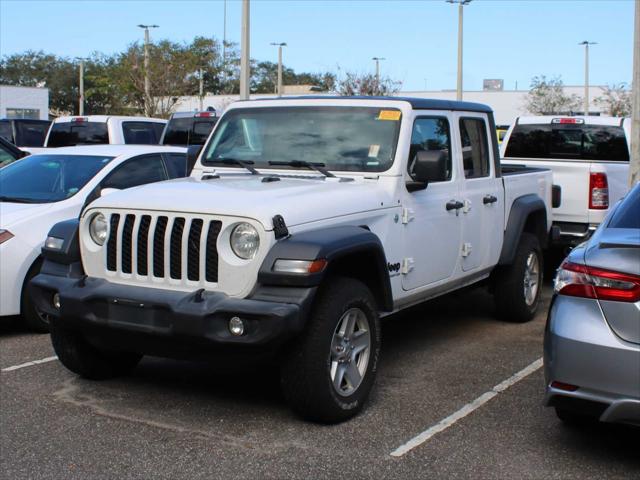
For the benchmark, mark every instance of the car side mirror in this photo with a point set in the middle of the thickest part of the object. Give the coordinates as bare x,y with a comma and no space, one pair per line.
428,166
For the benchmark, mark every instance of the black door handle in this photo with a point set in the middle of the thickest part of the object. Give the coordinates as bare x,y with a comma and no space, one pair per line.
454,205
489,199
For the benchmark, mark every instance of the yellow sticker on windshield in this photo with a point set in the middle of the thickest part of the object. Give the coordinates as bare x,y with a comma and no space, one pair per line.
393,115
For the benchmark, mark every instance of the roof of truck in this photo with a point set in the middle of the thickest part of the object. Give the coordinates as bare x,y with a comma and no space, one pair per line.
416,103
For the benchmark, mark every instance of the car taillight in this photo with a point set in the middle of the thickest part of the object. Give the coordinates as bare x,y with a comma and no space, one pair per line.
598,191
205,114
583,281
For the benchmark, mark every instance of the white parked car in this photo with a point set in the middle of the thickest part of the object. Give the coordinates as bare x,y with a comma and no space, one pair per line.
589,158
41,190
101,129
303,222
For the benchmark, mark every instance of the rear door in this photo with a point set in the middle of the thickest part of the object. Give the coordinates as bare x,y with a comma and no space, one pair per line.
482,193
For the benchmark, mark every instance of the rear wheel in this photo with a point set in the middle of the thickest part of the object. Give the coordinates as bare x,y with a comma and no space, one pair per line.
518,286
79,356
329,371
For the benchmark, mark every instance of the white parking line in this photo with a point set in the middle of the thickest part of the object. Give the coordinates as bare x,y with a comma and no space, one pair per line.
466,410
28,364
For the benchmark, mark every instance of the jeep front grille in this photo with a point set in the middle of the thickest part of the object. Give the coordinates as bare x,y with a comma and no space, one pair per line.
163,246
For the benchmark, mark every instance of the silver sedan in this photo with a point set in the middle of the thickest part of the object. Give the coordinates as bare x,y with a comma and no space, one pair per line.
592,338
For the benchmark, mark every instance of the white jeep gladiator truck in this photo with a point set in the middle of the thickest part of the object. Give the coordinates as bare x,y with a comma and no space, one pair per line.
304,221
589,158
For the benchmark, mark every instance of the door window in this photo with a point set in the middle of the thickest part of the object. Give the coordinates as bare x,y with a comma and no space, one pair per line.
136,171
475,148
176,164
430,134
5,157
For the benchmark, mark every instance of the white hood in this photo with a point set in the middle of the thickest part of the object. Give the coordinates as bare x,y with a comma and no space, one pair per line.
15,213
298,200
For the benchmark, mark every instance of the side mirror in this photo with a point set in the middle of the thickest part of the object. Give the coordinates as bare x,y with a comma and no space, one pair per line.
428,166
107,191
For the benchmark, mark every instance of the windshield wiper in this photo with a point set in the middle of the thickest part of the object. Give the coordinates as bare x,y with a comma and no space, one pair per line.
18,200
234,161
318,167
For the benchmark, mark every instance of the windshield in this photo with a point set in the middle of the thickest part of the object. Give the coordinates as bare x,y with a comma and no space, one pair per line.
361,139
68,134
48,178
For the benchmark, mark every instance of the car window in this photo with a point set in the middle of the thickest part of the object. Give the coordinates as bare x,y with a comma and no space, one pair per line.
6,131
475,148
31,134
139,133
5,157
176,164
136,171
568,142
201,131
67,134
627,215
430,133
158,128
177,131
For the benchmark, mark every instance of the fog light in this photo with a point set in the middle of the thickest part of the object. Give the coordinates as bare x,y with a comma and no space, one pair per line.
56,301
236,326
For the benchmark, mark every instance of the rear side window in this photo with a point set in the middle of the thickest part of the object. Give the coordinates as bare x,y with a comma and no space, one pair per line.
139,133
475,148
6,131
568,142
627,215
177,131
68,134
31,134
136,171
176,164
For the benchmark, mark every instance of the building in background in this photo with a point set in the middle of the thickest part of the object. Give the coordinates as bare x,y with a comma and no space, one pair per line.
24,102
506,104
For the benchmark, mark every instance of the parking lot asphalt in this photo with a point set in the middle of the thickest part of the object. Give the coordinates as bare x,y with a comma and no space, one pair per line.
174,419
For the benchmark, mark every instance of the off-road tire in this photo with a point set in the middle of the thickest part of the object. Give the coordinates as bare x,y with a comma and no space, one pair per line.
305,369
509,286
79,356
33,319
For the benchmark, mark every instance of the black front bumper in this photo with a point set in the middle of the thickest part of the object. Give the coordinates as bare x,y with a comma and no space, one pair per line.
170,323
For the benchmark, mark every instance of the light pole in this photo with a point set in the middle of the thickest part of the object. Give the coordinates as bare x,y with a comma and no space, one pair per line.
378,60
147,80
586,44
279,45
201,89
245,67
461,4
81,88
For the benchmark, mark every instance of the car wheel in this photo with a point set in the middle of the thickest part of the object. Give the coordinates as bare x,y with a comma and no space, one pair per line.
81,357
518,286
330,369
33,318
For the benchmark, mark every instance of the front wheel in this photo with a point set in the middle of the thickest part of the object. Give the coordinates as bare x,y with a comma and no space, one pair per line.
518,286
329,371
81,357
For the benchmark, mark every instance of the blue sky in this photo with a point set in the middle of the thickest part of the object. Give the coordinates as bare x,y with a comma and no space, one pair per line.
509,39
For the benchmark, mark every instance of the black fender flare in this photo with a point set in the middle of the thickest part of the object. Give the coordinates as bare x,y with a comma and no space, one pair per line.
521,208
332,244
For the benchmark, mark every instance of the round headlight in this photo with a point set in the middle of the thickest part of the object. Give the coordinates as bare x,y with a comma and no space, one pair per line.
98,229
245,241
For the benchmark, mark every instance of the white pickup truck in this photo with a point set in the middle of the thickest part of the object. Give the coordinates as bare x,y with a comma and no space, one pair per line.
589,158
104,129
304,221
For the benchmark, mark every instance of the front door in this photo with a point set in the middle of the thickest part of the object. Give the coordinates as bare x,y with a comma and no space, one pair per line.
482,195
431,232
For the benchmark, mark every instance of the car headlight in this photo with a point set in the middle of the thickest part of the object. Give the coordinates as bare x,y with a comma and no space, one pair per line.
98,229
245,241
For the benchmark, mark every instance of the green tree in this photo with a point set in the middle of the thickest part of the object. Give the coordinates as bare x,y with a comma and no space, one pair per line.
547,97
367,84
616,100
